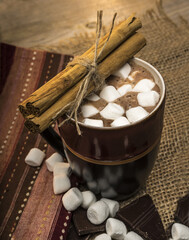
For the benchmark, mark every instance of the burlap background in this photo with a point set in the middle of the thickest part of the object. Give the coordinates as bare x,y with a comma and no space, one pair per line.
168,50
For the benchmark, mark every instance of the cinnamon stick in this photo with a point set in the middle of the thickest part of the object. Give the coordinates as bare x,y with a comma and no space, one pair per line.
109,65
48,94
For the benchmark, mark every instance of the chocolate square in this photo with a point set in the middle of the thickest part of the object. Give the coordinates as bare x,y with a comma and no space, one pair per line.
142,217
182,212
72,234
83,225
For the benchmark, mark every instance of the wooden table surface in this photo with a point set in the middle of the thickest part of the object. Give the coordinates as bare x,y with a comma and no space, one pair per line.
46,24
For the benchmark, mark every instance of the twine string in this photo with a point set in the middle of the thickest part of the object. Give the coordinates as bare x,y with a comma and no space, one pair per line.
92,71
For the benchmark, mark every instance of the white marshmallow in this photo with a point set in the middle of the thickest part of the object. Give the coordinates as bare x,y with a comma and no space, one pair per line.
103,236
116,229
93,122
35,157
180,232
113,206
72,199
98,212
124,89
88,199
93,97
121,121
109,93
52,160
61,168
132,236
103,184
112,111
109,193
136,114
123,72
148,99
61,183
144,85
88,110
132,76
93,186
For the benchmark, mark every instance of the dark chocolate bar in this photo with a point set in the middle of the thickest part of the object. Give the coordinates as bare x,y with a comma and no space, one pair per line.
72,234
83,225
142,217
182,212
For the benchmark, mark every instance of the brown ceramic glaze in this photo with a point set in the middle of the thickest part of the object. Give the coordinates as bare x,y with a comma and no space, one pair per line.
116,161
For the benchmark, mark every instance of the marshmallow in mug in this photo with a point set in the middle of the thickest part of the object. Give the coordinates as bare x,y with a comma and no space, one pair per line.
109,94
98,212
123,72
35,157
116,229
72,199
52,160
112,111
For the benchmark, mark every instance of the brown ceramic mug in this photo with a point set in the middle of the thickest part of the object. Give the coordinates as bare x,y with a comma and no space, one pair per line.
116,161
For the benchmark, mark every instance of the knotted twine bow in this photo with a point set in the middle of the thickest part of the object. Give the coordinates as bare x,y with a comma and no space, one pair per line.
92,71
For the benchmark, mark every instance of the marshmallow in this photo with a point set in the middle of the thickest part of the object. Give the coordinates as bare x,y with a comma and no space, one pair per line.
93,97
98,212
148,99
61,168
35,157
116,229
144,85
109,193
123,72
132,76
88,110
72,199
103,236
113,206
180,232
61,184
124,89
103,184
88,199
112,111
93,122
87,174
136,114
132,236
109,93
52,160
121,121
93,186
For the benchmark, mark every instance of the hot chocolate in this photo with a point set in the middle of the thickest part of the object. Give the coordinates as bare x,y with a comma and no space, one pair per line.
126,97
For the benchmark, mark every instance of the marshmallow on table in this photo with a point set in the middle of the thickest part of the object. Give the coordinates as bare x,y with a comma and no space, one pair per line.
113,206
116,229
109,93
98,212
112,111
93,122
123,72
88,110
61,183
93,97
88,199
61,168
144,85
124,89
35,157
103,236
132,236
136,114
148,99
72,199
121,121
52,160
180,232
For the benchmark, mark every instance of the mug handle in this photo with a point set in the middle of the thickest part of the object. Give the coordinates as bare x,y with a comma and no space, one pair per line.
52,138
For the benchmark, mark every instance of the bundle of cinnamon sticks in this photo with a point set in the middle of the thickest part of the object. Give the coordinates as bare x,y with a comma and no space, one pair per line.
54,98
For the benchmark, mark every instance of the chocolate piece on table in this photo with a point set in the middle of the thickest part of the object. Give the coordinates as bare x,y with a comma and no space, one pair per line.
72,234
83,225
182,212
142,216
